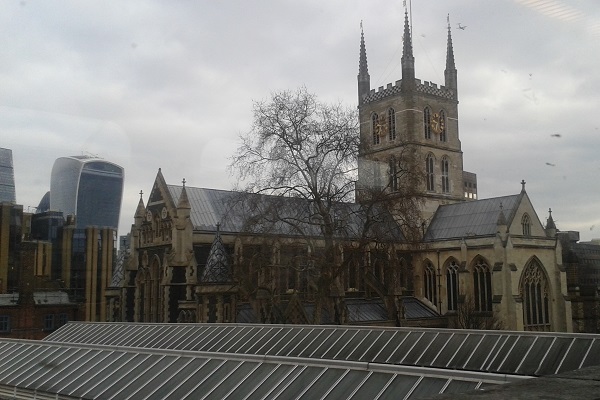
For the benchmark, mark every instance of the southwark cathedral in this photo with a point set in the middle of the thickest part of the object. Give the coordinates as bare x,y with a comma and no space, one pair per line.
478,263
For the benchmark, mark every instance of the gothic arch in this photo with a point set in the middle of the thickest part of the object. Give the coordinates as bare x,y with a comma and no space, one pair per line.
391,115
445,168
427,122
444,132
430,171
375,128
482,284
534,287
451,271
430,286
526,225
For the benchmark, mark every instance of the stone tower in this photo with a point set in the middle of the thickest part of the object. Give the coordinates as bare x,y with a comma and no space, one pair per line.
409,132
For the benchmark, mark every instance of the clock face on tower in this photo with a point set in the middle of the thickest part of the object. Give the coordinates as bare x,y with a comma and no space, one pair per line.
437,123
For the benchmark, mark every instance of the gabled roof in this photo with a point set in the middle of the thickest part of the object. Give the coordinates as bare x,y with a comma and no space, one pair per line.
232,210
471,218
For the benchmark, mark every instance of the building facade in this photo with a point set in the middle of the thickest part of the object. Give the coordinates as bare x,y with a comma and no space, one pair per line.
487,263
7,177
488,257
89,188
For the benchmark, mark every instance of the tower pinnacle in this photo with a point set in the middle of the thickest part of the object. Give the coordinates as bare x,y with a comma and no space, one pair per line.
450,74
364,79
408,60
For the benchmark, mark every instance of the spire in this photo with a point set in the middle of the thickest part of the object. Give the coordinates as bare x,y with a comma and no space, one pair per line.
501,217
217,268
183,199
140,211
408,60
550,221
364,79
450,73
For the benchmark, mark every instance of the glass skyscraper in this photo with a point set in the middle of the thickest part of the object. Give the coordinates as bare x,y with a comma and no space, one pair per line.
7,177
89,188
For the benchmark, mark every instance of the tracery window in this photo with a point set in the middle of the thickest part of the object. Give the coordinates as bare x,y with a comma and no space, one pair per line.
445,175
375,128
443,136
392,124
526,224
429,172
535,294
482,286
452,286
429,283
427,122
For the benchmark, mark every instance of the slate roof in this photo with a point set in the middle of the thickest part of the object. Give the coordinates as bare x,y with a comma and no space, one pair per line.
471,218
232,210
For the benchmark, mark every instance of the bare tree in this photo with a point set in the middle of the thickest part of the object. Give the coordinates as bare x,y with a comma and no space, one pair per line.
301,156
469,317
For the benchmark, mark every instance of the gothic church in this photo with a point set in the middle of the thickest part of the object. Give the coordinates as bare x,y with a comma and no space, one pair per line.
478,260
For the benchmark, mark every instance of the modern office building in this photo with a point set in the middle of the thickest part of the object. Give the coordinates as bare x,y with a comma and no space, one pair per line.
89,188
7,177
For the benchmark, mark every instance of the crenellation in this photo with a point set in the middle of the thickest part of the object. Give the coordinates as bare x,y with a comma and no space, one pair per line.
389,86
380,89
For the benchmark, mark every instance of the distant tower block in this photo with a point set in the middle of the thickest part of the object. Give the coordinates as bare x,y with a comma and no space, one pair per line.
7,177
89,188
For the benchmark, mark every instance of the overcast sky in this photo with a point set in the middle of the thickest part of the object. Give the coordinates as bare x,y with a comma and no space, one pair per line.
170,84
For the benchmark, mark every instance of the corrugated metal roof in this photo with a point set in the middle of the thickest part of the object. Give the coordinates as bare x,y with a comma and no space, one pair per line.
503,352
471,218
44,370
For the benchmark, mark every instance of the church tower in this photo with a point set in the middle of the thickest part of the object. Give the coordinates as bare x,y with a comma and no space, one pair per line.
409,132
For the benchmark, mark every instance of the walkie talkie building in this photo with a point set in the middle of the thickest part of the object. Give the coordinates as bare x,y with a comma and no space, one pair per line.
89,188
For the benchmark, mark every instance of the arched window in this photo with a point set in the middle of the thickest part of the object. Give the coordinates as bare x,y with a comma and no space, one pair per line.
392,124
445,175
452,286
376,175
535,293
443,135
429,172
482,286
526,224
375,127
429,283
427,122
393,174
